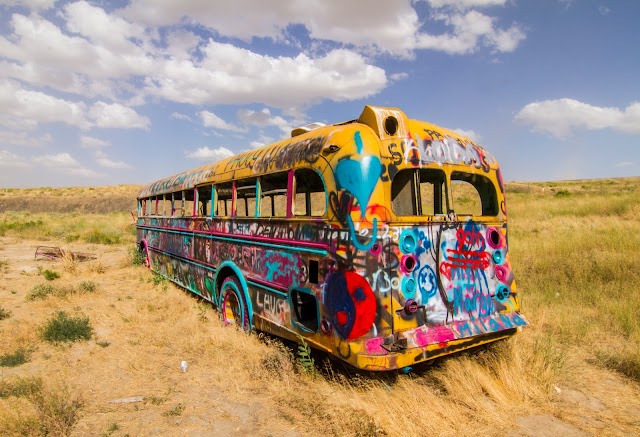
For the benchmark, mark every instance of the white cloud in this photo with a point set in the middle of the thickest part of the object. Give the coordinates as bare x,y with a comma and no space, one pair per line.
108,31
384,26
207,154
11,160
231,75
65,163
263,118
562,116
465,4
24,139
61,160
469,32
108,163
472,135
179,116
209,119
116,115
31,4
88,142
399,76
390,26
25,109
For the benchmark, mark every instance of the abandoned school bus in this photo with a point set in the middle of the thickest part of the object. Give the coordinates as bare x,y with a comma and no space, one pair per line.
382,240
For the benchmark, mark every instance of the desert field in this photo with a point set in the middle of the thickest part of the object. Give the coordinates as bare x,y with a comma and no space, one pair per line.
575,371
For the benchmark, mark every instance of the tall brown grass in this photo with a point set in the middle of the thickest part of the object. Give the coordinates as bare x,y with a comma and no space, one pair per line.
577,362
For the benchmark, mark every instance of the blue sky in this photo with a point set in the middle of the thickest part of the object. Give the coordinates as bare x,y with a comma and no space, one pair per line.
104,93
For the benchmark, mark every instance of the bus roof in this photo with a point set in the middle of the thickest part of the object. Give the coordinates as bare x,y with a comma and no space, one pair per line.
308,142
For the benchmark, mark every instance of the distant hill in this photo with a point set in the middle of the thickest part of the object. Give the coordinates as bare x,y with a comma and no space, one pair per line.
98,200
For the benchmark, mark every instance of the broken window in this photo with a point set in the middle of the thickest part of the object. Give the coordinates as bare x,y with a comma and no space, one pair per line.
473,194
246,198
188,202
311,198
305,309
418,192
274,195
204,201
224,194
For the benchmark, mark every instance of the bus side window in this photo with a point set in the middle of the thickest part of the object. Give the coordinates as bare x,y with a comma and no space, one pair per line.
176,204
187,205
273,202
473,194
246,198
418,192
225,199
204,201
432,192
165,205
311,198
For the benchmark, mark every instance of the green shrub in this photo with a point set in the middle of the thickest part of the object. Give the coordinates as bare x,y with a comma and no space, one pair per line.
136,256
50,275
40,291
96,236
20,356
304,358
63,328
87,287
21,387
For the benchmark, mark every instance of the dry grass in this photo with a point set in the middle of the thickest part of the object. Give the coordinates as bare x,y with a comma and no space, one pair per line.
577,273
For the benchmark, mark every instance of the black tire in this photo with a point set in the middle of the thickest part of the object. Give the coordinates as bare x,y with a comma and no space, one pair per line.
233,308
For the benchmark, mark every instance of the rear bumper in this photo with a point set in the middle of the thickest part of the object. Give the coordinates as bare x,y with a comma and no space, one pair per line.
426,343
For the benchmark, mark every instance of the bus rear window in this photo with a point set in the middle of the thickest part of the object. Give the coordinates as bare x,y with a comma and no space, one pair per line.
473,195
416,192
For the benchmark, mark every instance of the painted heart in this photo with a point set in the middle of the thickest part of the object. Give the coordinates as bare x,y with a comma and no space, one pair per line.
359,178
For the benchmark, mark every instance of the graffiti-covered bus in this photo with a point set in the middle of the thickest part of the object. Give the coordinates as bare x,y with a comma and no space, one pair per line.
381,241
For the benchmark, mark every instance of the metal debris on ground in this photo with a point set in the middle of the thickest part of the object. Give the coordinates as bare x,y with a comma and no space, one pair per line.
55,253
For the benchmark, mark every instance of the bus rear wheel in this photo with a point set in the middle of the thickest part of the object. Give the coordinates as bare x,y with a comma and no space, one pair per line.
232,305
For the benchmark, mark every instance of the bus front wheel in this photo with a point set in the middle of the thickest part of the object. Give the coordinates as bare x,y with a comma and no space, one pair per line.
232,305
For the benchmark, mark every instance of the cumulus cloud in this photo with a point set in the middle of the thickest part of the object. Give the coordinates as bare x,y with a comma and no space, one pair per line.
562,116
108,163
179,116
209,119
65,163
383,26
388,26
207,154
11,160
31,4
263,118
115,115
22,108
465,4
88,142
472,135
398,76
227,74
23,138
471,30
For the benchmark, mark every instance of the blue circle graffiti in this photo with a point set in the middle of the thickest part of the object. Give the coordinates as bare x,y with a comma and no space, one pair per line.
407,241
502,292
427,282
498,256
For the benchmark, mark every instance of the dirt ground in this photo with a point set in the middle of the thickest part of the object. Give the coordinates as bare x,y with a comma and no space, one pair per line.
129,381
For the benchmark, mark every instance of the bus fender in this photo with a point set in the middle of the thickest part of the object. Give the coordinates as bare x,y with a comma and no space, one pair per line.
243,284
